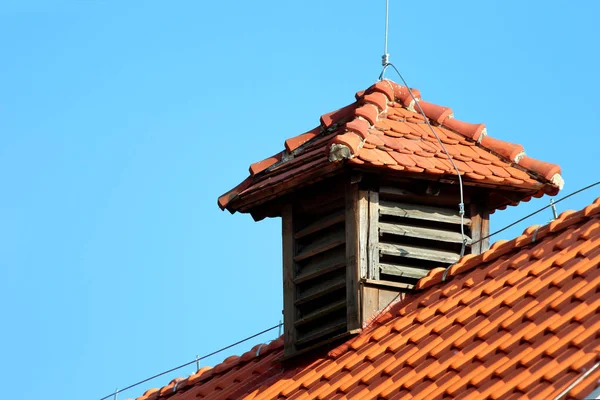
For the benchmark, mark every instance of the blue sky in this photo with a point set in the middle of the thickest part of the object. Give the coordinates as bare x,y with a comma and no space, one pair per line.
122,122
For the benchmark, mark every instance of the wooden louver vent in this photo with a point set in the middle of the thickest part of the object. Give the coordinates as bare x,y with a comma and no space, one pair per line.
413,238
315,299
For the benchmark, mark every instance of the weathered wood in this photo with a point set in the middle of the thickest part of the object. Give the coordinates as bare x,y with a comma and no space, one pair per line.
363,242
321,312
245,202
386,284
396,191
352,257
426,194
320,289
475,228
342,337
321,267
422,232
289,288
390,295
320,224
416,211
421,253
326,243
373,228
318,334
370,305
403,270
485,230
319,198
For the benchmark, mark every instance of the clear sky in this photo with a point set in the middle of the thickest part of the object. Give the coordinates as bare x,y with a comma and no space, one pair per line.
122,122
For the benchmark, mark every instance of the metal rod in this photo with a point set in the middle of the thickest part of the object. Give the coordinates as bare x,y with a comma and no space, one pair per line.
553,205
116,393
279,331
193,361
385,58
387,12
572,385
197,363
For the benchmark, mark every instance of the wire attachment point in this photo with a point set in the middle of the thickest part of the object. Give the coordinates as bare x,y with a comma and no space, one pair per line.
385,59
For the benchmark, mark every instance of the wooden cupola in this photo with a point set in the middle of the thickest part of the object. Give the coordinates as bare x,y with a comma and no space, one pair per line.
369,203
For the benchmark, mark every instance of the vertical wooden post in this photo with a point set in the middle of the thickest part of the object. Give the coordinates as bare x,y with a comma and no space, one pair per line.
485,230
289,288
363,232
480,228
475,228
373,229
352,256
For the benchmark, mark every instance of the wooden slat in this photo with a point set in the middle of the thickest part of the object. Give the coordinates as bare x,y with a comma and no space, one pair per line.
265,192
403,270
417,252
289,288
363,221
322,333
314,270
321,289
386,284
373,235
390,295
327,243
370,302
319,197
320,224
430,194
352,228
416,211
421,232
321,312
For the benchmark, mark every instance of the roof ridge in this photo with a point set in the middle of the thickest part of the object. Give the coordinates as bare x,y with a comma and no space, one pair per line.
500,248
205,374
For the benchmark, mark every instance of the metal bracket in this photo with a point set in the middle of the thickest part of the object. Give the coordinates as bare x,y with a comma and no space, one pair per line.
553,206
535,234
356,178
279,329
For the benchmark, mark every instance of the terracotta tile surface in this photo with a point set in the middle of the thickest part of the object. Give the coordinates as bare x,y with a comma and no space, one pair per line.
520,321
384,130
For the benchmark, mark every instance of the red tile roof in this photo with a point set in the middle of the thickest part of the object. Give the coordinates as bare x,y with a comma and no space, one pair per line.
521,320
383,130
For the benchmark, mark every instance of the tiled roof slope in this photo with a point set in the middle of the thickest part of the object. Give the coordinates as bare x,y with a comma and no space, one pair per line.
520,321
383,130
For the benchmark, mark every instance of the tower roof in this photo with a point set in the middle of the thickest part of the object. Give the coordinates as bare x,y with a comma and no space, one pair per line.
383,131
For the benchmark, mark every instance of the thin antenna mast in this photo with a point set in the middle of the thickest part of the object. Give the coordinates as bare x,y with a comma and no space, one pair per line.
385,62
385,58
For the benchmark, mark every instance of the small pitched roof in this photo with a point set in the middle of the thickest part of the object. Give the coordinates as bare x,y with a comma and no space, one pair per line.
382,130
521,320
